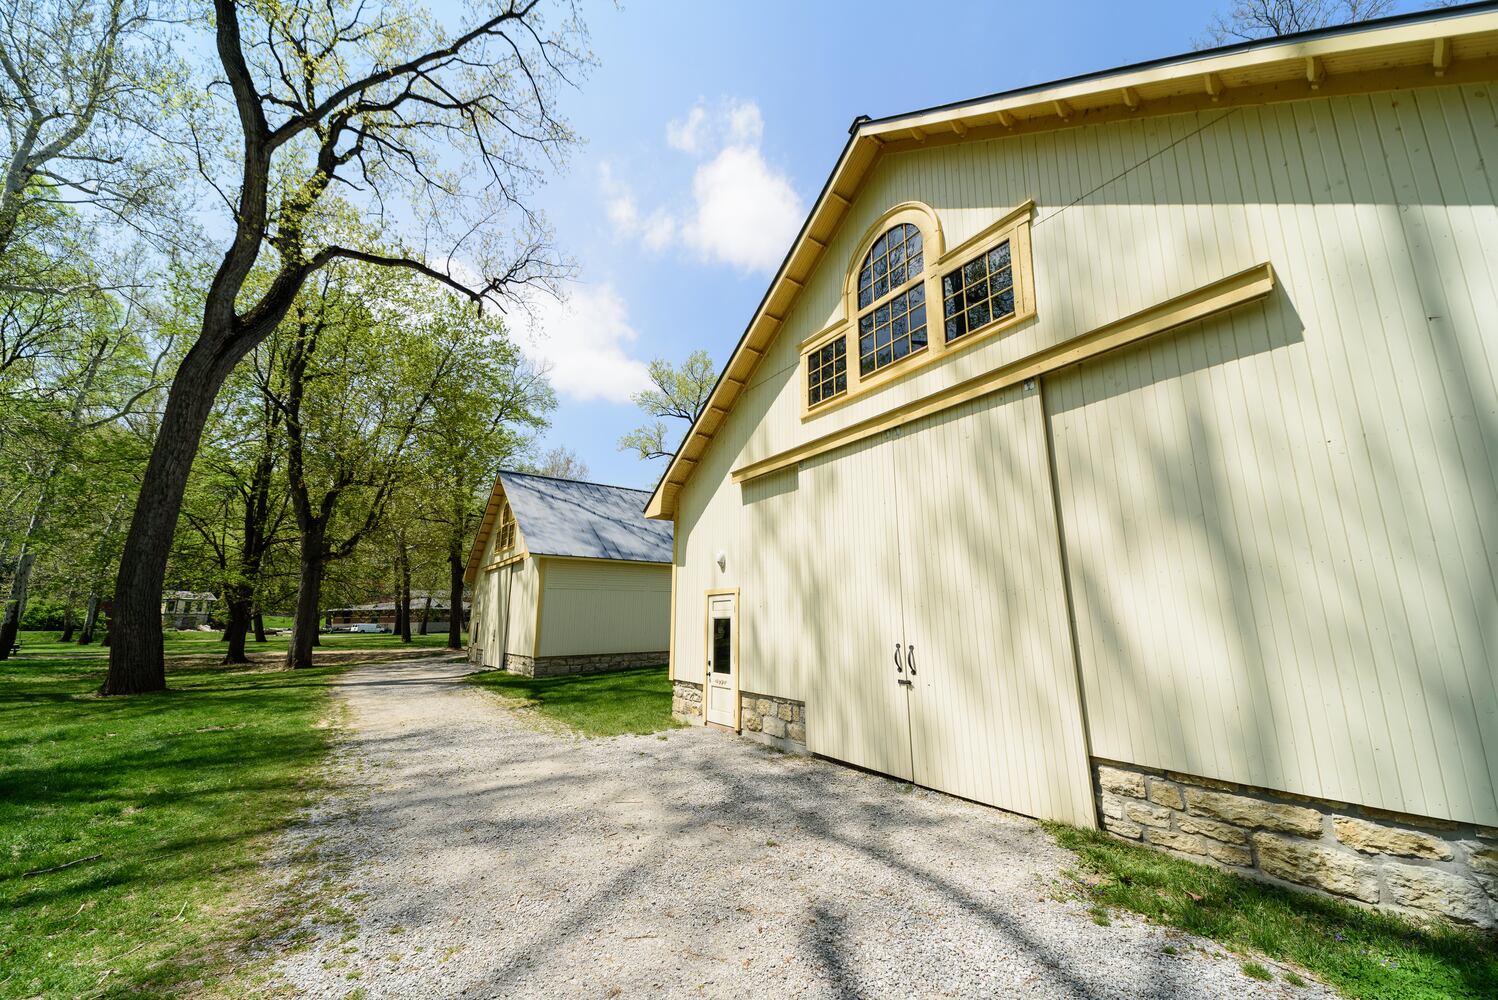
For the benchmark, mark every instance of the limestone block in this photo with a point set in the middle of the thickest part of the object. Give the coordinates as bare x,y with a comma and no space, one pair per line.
1123,828
1111,779
751,723
1112,806
1230,854
1147,815
765,707
1438,892
1308,864
784,711
1166,794
1485,860
1487,832
1183,842
773,725
1243,811
1370,838
796,731
1224,832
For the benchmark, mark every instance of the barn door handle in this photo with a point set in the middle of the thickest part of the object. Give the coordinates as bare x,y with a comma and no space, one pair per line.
898,669
910,658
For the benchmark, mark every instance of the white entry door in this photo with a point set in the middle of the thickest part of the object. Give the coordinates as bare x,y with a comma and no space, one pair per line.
722,692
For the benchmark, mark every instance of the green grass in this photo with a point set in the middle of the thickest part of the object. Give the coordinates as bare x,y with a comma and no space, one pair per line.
628,701
1361,953
44,645
176,794
1256,970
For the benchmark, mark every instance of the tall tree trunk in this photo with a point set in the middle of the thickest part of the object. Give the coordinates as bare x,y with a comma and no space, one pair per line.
10,626
67,620
308,598
405,595
136,663
426,614
259,625
90,619
238,625
455,593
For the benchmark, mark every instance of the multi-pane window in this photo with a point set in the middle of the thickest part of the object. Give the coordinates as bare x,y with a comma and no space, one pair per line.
891,299
895,258
506,528
978,293
889,332
827,371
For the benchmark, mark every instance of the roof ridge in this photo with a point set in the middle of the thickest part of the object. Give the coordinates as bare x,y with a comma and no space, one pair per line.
1193,55
563,479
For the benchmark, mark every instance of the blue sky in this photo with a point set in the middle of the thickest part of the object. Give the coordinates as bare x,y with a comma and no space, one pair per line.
709,127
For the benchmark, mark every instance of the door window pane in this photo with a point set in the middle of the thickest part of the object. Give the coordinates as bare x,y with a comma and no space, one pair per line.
722,645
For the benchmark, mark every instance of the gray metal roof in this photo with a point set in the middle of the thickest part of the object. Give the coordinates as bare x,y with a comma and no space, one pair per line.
562,517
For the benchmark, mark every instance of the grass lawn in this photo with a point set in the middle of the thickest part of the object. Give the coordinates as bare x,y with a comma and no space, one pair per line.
158,806
1360,953
627,701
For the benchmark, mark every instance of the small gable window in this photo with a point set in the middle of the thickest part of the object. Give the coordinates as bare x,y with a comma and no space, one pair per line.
978,293
506,529
891,299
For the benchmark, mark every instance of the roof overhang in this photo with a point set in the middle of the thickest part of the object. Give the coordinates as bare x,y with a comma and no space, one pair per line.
481,536
1443,46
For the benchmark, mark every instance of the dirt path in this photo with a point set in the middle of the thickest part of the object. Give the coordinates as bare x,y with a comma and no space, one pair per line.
486,856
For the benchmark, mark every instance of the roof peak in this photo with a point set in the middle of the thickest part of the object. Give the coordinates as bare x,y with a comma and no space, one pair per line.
563,479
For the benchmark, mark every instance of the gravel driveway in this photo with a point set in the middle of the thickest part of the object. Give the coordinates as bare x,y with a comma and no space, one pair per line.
484,854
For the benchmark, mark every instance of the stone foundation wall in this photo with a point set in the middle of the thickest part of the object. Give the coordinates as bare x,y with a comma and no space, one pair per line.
779,722
686,701
599,663
1418,866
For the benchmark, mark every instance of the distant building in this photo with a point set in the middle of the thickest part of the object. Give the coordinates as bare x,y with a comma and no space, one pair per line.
435,606
186,608
568,577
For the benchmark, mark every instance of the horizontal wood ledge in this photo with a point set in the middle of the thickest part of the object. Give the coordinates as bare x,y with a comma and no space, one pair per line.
1225,293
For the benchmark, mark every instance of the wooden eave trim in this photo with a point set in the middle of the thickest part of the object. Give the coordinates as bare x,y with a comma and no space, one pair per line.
661,563
1226,293
1268,54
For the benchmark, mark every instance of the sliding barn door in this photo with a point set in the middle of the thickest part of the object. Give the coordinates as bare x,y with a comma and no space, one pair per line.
857,711
995,711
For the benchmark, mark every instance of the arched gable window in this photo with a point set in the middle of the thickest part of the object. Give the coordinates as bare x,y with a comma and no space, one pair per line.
891,299
898,271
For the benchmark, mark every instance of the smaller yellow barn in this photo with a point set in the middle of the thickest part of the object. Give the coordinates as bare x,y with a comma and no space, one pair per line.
568,578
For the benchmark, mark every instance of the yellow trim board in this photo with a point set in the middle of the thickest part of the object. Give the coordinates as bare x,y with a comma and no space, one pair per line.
1246,286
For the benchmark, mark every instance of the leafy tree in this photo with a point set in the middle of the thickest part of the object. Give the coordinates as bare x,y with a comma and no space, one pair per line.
562,464
479,424
382,102
93,376
678,393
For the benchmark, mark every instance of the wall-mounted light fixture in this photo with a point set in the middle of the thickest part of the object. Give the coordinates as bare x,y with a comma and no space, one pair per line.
722,560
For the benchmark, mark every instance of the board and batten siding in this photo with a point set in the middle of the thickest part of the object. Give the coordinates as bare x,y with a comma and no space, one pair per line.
1281,525
596,606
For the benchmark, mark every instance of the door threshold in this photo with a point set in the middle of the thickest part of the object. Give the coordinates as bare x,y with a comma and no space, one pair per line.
720,727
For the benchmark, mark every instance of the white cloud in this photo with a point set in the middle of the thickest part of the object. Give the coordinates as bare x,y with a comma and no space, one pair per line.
686,134
746,213
583,341
741,210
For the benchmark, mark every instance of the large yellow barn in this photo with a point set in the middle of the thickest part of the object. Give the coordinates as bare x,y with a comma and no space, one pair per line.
1124,451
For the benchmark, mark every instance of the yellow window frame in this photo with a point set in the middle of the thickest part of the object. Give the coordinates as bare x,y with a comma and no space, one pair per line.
1013,225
